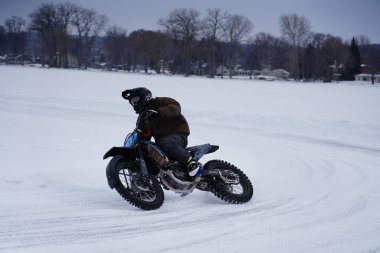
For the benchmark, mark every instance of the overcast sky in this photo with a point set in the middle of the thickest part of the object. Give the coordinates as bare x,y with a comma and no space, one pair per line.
344,18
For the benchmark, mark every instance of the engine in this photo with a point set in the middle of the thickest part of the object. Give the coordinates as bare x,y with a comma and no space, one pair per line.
174,181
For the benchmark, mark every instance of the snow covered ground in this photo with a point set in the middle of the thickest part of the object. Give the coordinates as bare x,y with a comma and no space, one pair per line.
312,151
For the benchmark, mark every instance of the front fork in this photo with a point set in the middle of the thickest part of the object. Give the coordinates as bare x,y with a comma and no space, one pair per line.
142,164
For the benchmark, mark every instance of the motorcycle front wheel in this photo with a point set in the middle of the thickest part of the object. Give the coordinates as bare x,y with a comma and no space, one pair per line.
142,192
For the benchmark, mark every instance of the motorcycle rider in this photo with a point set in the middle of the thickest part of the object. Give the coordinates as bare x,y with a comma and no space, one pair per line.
161,118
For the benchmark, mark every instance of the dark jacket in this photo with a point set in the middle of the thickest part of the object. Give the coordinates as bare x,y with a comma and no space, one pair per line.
169,119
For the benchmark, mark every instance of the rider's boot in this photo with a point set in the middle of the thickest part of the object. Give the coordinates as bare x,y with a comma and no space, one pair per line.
193,167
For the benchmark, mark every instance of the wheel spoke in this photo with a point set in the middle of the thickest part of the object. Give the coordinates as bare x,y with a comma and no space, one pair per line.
149,195
231,181
125,177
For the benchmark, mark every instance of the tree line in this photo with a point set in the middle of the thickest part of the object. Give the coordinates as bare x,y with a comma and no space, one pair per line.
185,44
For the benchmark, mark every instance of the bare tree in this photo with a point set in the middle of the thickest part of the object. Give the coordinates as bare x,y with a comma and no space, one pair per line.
264,45
235,28
183,26
334,50
212,28
14,24
116,46
364,46
296,30
147,48
362,40
332,55
52,22
88,24
42,21
265,51
16,37
65,12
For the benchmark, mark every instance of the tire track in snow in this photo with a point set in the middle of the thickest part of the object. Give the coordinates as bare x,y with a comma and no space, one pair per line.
343,185
312,167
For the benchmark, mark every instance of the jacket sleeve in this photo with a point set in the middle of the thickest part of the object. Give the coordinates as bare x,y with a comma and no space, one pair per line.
168,107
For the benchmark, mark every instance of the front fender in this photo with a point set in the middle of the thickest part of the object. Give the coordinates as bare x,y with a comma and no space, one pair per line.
122,151
118,154
111,171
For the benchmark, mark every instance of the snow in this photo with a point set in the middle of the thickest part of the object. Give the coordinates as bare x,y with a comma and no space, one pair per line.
312,151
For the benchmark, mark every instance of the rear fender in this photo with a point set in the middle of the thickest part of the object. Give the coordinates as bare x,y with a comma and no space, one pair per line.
198,151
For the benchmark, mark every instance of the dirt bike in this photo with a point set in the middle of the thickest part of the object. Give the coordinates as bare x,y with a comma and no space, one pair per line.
139,169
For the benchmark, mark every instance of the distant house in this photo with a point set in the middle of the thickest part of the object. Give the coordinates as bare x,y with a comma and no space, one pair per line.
278,73
222,70
367,69
363,77
3,58
19,59
367,73
200,69
236,71
336,72
367,78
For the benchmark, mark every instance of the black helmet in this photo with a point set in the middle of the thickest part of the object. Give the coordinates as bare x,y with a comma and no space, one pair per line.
138,98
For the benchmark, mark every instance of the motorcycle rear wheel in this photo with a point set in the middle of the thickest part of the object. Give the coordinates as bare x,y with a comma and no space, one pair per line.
144,193
235,188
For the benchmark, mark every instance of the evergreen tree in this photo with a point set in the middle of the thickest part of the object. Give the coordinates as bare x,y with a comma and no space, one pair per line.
354,62
3,40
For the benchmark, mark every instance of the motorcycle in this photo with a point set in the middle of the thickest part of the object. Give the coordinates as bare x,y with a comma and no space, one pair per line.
139,169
